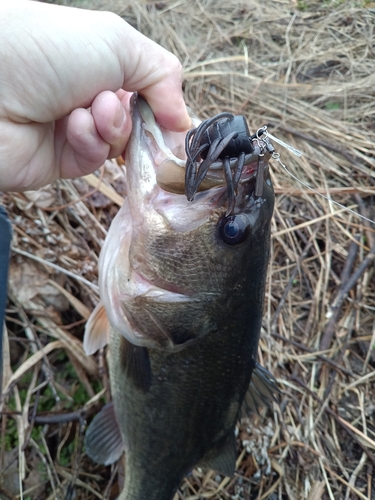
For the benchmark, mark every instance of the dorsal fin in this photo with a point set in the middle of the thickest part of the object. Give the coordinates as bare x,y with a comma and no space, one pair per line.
96,330
103,439
262,390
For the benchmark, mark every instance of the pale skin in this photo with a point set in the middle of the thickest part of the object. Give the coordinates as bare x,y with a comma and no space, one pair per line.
65,81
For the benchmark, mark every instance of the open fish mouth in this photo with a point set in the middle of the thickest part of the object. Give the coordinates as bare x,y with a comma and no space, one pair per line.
217,152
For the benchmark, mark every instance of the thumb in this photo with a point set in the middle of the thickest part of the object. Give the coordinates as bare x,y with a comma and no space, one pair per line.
156,74
166,100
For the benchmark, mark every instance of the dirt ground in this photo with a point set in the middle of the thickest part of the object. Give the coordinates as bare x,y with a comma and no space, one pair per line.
306,69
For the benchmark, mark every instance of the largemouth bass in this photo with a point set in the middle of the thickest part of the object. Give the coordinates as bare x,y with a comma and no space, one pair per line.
182,286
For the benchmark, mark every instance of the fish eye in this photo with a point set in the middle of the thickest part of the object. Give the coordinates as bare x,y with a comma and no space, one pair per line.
233,229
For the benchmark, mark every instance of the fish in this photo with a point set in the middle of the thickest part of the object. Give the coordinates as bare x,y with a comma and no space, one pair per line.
182,288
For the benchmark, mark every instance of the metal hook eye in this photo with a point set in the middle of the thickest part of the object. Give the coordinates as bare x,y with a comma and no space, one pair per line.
261,131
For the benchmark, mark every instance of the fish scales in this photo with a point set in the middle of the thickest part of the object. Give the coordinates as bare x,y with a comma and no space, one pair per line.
193,402
185,306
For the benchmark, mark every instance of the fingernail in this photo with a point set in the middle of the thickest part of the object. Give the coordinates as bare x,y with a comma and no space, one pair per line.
182,123
185,122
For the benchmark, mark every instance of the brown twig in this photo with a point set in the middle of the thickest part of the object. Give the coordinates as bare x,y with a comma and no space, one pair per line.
293,275
7,494
322,358
346,286
70,491
81,198
295,191
31,421
328,410
319,142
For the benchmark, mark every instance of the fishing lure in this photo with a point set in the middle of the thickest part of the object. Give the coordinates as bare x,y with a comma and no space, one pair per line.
224,142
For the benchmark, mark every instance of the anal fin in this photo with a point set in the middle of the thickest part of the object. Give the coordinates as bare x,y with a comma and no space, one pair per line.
136,363
222,458
103,439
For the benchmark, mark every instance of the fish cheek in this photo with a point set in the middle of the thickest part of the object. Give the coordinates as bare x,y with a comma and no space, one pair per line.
184,262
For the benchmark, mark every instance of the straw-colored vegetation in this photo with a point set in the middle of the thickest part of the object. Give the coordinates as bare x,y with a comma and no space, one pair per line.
307,70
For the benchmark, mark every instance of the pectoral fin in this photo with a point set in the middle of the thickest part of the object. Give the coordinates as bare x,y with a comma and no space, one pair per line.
96,330
222,458
136,363
262,390
103,440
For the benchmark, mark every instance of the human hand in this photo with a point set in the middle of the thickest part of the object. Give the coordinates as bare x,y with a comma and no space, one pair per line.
55,63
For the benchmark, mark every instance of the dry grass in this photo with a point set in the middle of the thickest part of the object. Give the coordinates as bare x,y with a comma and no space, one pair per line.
308,70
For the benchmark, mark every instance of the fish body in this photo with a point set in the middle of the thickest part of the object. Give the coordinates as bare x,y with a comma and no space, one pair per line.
183,287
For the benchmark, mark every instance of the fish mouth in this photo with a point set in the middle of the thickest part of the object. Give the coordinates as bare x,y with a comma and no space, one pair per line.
169,151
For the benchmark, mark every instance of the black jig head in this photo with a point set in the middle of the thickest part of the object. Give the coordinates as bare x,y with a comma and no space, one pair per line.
224,141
